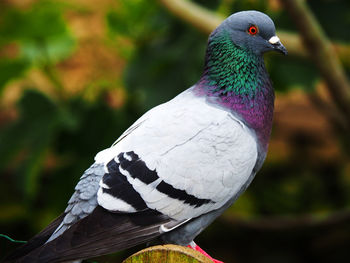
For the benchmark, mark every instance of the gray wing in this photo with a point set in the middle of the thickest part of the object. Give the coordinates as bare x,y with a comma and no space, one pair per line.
87,230
83,200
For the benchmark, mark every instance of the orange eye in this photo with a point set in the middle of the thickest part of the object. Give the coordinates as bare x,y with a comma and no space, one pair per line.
253,30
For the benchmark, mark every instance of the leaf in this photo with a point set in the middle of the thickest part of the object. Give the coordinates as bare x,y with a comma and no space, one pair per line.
11,69
41,33
41,21
137,19
48,51
25,143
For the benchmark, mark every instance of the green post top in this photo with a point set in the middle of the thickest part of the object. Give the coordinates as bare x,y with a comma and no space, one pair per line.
167,254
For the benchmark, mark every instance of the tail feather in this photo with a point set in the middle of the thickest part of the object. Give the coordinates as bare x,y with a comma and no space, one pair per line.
36,241
100,233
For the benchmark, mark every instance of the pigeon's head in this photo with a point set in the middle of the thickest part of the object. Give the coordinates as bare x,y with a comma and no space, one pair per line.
251,30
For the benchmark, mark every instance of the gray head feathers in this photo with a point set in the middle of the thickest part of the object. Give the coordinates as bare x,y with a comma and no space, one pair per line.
252,30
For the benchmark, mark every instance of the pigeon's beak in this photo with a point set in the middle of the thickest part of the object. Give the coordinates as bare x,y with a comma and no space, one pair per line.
277,45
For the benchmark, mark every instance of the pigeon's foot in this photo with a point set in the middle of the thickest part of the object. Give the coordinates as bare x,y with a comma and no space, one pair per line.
194,246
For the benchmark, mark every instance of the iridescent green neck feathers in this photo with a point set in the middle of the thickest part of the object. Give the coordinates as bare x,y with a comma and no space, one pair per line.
236,79
230,68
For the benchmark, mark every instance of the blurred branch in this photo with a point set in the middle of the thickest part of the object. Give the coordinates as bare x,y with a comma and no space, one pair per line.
206,21
322,53
200,17
330,111
288,223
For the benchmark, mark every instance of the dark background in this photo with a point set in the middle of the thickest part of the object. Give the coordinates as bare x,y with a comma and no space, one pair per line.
74,74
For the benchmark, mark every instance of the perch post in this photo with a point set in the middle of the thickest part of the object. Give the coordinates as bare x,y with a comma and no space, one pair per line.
167,254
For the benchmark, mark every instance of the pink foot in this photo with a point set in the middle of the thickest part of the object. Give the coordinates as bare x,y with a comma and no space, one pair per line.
196,247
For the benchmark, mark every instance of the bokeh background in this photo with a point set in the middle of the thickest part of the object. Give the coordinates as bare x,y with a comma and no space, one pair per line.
74,74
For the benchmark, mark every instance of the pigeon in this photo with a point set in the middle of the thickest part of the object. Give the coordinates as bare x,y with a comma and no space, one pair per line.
181,164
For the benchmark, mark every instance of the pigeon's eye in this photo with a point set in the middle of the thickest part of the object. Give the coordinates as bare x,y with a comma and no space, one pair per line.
253,30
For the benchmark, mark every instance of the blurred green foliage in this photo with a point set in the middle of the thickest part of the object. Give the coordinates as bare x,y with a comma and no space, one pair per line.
54,136
11,69
161,53
41,34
